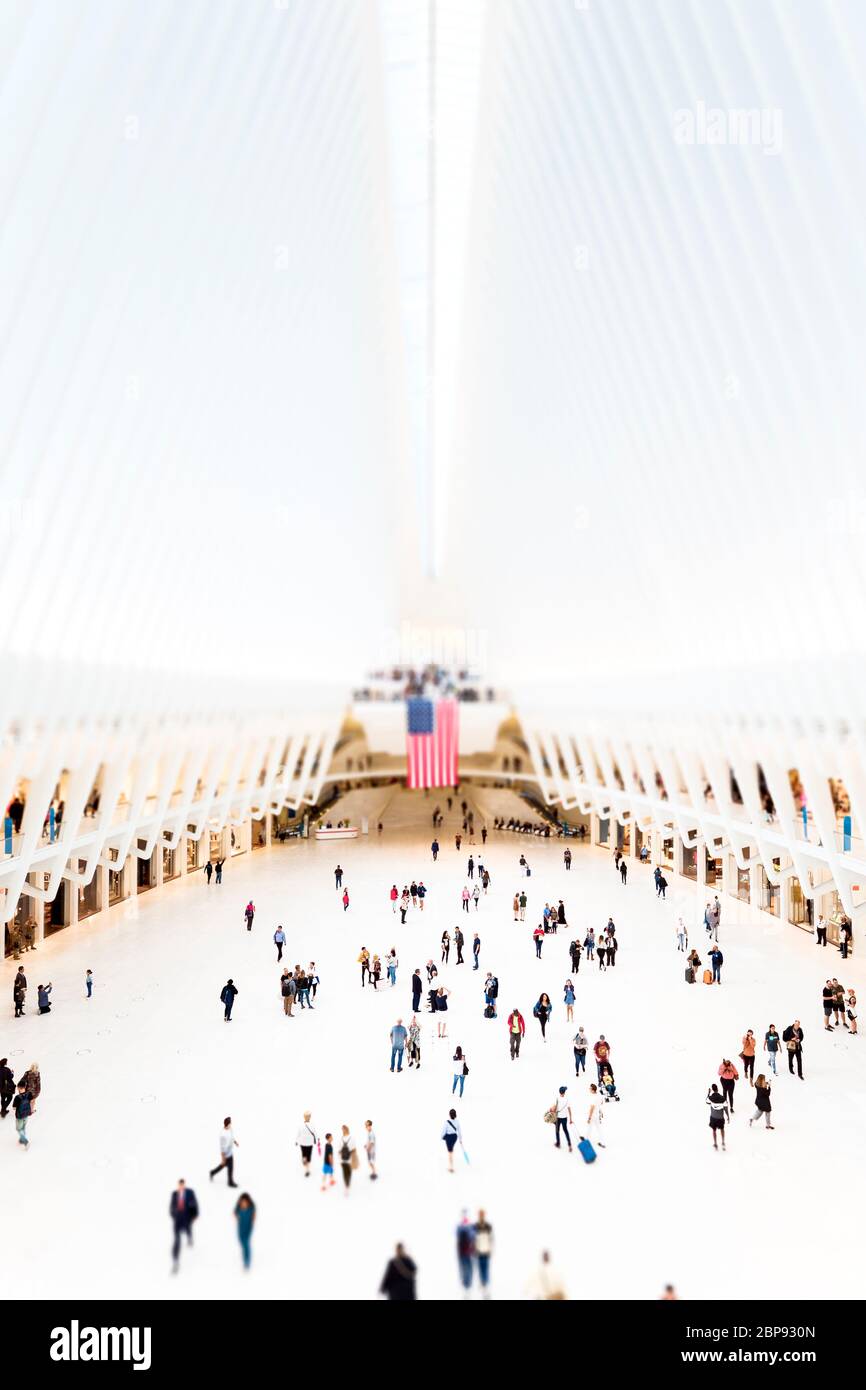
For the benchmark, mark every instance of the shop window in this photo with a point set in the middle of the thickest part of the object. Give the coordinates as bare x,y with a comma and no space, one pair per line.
192,848
88,894
769,894
690,861
800,909
744,884
145,873
603,831
170,867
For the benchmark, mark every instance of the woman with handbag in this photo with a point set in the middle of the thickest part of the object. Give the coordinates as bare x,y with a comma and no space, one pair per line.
542,1011
461,1071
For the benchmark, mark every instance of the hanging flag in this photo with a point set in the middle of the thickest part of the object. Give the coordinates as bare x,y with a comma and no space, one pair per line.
431,743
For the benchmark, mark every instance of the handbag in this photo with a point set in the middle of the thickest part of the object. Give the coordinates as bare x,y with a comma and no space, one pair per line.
465,1069
550,1116
355,1161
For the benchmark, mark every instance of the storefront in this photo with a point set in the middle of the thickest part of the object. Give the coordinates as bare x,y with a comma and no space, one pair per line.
54,913
603,835
88,893
192,854
769,894
115,887
145,871
170,864
713,870
236,839
216,841
690,862
623,836
800,908
741,879
258,832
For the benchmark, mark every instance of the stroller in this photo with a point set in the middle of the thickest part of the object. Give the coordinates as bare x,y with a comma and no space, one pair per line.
608,1086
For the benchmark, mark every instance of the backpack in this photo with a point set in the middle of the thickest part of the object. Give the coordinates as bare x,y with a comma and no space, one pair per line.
490,1012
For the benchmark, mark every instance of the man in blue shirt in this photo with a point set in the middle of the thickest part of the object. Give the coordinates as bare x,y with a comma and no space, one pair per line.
398,1043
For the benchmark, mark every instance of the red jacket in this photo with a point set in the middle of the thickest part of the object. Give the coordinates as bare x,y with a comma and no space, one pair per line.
519,1017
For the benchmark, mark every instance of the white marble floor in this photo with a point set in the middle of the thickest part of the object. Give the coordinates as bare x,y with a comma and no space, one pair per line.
137,1080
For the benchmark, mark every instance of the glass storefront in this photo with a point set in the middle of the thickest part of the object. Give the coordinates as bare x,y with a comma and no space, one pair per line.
192,848
668,852
623,837
169,864
258,833
88,894
800,908
54,913
145,871
236,839
115,886
769,894
603,831
743,884
713,871
216,844
690,862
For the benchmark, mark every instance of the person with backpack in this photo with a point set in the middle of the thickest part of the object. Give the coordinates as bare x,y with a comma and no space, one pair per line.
249,914
718,1114
763,1105
562,1117
729,1077
793,1040
22,1107
491,989
452,1135
516,1031
349,1160
227,999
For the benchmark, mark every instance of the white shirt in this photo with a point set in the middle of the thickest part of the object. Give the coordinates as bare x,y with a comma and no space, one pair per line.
306,1136
562,1104
227,1142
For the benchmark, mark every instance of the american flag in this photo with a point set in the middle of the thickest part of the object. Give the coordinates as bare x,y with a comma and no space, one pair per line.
431,743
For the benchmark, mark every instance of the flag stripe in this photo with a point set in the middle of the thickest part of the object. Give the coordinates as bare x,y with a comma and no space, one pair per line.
432,757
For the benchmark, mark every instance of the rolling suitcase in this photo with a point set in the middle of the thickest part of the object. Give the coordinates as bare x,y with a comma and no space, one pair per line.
690,975
586,1151
708,977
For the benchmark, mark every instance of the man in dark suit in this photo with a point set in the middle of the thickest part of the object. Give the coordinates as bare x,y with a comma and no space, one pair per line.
183,1210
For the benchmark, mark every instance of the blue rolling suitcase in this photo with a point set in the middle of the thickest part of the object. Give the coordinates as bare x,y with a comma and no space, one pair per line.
586,1151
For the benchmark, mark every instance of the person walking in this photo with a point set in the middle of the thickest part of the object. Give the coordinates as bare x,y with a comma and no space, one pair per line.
491,990
569,1001
227,998
398,1281
375,971
729,1077
623,871
32,1083
546,1284
208,870
594,1118
567,858
349,1160
452,1135
279,942
717,960
470,867
413,893
228,1144
338,878
370,1149
364,962
589,943
574,950
441,1010
22,1107
417,986
580,1043
465,1252
345,900
422,893
718,1115
404,906
398,1043
793,1040
476,895
538,938
763,1105
747,1055
601,1052
542,1011
682,935
249,914
601,952
661,889
476,950
464,898
183,1210
483,1251
306,1140
516,1031
7,1087
446,947
415,1044
821,930
328,1163
772,1046
435,850
245,1218
562,1113
461,1071
459,939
